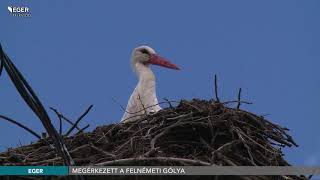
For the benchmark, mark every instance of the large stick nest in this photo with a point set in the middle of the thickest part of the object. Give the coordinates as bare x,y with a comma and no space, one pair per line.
194,132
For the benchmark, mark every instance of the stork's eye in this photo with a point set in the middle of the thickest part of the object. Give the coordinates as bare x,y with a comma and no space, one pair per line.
144,51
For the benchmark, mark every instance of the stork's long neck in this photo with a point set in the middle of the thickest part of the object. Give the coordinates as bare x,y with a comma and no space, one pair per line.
146,88
145,76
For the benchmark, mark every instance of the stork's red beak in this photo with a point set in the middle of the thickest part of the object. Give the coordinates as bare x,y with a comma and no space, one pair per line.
160,61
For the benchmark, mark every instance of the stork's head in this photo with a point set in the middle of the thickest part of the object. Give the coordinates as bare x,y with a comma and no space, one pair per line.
146,55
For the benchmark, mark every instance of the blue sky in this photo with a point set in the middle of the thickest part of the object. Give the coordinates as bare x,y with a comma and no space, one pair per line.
76,53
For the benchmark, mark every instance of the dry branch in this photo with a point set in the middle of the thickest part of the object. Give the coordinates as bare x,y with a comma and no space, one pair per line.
78,120
216,88
239,99
62,117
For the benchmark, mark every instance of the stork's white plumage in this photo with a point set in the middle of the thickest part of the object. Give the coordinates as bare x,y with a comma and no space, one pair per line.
144,100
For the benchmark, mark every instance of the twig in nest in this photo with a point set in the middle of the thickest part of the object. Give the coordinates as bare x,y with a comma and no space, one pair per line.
239,98
240,133
249,153
180,116
189,104
204,142
150,152
109,131
53,160
166,130
60,119
243,102
225,146
102,151
143,107
227,160
84,128
67,119
168,102
78,120
125,143
216,88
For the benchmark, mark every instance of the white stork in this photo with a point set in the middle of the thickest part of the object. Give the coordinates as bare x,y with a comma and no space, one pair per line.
144,100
